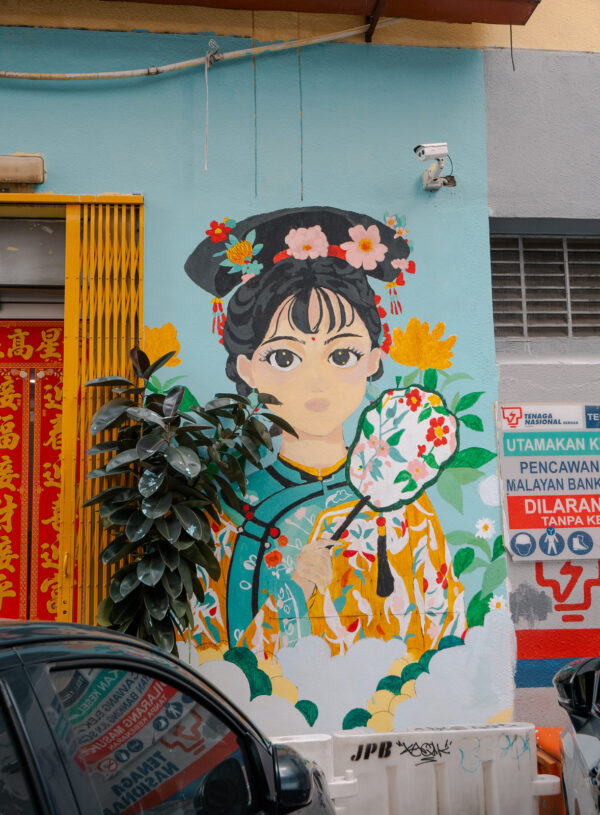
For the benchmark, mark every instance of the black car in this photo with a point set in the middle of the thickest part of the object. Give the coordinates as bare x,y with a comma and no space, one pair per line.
99,723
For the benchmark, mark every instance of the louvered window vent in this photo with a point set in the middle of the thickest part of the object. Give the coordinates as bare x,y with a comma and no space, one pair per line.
545,286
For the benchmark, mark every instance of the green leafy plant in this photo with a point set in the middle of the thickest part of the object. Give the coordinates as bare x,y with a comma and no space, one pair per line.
173,469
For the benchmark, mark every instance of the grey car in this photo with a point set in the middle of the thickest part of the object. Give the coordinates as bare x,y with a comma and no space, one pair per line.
99,723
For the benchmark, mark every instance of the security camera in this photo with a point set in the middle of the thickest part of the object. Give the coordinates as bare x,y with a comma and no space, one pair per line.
436,150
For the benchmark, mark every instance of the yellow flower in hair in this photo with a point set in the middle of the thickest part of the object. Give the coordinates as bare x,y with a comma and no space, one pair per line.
240,253
159,341
417,346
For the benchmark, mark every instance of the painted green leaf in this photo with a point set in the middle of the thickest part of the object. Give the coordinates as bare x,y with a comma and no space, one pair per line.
477,563
157,504
429,459
259,681
463,559
184,460
425,414
477,609
494,575
357,717
472,457
459,537
367,427
151,481
150,569
467,401
391,683
395,438
498,548
411,671
403,475
108,414
104,612
450,490
430,379
449,642
464,475
425,658
472,421
308,709
122,458
138,526
410,485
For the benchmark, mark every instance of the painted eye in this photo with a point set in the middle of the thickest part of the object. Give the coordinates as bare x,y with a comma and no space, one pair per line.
283,359
344,358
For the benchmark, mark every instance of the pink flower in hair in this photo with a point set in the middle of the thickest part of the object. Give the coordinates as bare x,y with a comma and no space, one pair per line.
307,242
365,250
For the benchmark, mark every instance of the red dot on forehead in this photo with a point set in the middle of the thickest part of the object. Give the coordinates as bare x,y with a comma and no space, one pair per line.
313,338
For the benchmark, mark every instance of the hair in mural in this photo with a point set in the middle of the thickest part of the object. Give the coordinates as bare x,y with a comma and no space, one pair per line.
335,543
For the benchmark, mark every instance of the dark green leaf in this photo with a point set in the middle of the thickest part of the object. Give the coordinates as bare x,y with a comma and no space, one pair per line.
129,583
220,402
233,397
198,588
170,555
184,460
463,559
108,414
151,481
190,521
202,556
163,634
206,416
157,504
172,401
429,459
145,415
430,379
150,569
172,583
127,609
472,421
100,472
117,550
122,458
151,369
180,607
138,526
280,423
467,401
472,457
149,445
139,361
103,447
169,528
110,492
104,613
156,601
108,380
395,438
425,414
261,431
267,399
185,570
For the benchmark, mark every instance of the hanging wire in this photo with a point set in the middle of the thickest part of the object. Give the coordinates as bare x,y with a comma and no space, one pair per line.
512,56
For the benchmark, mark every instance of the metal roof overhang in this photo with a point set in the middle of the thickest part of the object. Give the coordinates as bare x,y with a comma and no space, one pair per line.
498,12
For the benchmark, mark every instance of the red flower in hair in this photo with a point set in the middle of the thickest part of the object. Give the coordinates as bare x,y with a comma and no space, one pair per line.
387,339
218,232
437,431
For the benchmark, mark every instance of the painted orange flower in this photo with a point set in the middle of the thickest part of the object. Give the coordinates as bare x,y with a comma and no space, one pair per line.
273,558
417,346
159,341
240,253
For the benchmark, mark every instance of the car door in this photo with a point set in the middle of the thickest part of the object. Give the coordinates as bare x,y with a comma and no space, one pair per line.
136,739
33,780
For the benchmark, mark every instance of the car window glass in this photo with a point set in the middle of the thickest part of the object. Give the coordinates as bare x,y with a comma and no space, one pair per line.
15,786
149,747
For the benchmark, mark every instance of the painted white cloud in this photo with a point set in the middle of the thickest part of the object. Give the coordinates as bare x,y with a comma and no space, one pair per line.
338,684
468,684
489,491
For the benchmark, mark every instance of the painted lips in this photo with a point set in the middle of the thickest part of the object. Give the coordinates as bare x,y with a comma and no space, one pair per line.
317,405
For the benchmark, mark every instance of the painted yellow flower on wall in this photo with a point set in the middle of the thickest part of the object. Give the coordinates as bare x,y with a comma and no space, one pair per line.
159,341
417,347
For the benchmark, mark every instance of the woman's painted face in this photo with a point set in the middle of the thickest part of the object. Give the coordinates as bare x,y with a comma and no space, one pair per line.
319,378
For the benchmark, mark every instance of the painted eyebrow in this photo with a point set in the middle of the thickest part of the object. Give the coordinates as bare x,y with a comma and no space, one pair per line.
274,339
340,336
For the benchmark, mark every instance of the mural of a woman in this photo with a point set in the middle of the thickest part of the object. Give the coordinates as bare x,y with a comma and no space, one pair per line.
312,554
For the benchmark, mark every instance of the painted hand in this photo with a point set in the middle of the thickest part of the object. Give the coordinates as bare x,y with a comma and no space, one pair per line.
313,567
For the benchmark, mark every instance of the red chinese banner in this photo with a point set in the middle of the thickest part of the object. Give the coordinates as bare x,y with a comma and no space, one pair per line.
30,364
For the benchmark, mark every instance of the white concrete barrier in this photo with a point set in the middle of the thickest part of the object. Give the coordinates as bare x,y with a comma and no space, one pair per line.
489,770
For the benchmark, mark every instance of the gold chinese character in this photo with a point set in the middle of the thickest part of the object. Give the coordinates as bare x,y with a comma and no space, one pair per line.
19,347
8,438
52,397
7,474
9,398
54,519
6,554
6,589
50,474
49,560
54,439
48,347
6,513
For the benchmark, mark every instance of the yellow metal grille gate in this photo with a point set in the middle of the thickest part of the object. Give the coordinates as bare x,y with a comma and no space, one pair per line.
103,319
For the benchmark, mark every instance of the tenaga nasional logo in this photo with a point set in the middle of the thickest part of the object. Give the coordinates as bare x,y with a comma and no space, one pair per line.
536,417
512,416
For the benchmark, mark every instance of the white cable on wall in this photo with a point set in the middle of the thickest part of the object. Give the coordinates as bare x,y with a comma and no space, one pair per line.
191,63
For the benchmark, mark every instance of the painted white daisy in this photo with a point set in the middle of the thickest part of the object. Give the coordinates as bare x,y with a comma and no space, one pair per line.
497,603
485,528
